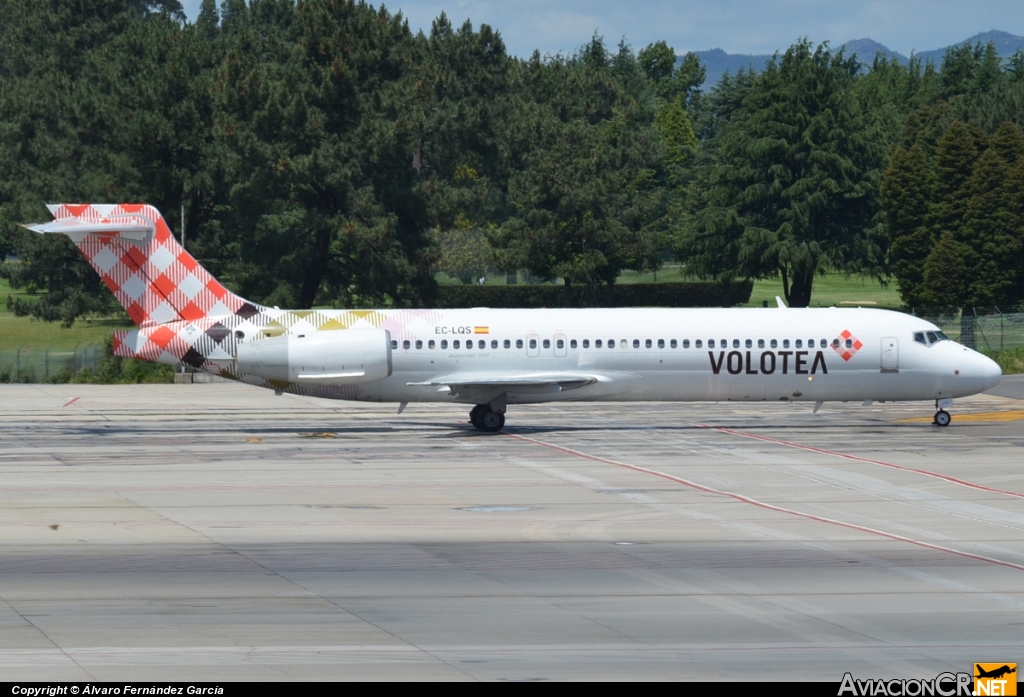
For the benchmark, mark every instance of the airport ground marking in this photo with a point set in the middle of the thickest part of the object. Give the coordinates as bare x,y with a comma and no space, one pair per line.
769,506
867,460
68,404
977,417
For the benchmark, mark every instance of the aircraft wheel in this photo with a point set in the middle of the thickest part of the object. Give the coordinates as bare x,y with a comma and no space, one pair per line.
491,421
942,418
474,414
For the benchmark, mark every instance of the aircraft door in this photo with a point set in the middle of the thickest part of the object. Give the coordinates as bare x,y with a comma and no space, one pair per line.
532,345
890,355
560,345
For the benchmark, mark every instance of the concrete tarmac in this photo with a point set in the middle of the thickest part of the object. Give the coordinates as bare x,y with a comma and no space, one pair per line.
217,532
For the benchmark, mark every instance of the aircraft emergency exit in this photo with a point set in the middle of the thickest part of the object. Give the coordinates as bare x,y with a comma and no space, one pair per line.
495,358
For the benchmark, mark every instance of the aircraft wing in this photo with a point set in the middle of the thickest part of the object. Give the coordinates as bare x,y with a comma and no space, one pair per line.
478,383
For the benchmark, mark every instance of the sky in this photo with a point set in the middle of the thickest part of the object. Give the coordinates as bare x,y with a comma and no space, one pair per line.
737,26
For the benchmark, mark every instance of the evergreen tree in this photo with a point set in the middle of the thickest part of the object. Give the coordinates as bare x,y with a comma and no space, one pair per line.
908,188
994,221
796,178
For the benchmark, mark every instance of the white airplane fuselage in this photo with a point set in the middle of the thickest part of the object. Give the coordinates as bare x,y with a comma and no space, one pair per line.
662,354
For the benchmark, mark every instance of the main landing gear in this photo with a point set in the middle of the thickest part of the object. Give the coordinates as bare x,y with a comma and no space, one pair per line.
486,419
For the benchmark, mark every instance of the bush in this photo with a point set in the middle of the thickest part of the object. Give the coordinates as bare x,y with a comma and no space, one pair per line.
1010,360
695,294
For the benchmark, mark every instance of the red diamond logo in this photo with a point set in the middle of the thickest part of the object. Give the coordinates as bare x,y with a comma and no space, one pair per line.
846,345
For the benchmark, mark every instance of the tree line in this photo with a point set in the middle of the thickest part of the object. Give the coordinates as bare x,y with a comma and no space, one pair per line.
323,153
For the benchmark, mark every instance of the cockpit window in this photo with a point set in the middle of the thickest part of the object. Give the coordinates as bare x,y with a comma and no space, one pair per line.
929,338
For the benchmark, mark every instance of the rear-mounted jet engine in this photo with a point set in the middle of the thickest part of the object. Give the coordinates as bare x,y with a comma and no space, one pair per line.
344,357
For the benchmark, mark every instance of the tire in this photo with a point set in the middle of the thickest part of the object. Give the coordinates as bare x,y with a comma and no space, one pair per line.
491,421
942,418
474,414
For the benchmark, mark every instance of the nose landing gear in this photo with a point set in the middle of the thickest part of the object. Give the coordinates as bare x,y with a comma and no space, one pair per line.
942,417
486,419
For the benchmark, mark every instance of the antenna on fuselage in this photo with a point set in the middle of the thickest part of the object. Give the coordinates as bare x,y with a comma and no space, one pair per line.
779,301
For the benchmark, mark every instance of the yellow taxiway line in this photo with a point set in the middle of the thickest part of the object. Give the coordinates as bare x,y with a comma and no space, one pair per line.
985,416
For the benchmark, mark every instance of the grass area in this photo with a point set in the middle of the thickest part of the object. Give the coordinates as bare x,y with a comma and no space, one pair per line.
832,289
34,335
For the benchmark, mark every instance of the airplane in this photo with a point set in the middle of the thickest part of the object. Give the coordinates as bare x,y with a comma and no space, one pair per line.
494,358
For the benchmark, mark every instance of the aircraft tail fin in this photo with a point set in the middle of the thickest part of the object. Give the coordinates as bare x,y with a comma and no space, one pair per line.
148,271
178,306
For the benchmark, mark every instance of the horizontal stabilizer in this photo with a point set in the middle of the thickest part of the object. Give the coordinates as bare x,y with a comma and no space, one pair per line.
130,228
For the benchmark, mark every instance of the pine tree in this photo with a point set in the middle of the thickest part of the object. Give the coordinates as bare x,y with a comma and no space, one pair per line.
908,187
958,151
944,277
993,221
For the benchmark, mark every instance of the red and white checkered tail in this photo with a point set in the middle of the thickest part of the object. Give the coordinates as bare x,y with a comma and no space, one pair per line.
163,288
152,276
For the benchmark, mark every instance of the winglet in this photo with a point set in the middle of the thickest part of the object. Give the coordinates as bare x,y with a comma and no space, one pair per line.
779,301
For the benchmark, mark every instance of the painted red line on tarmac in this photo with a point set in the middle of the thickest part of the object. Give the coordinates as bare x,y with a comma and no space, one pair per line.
769,506
880,463
72,401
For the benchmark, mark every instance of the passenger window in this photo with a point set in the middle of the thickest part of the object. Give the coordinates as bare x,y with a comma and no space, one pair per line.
849,343
649,344
419,344
623,343
661,343
774,343
749,343
723,343
444,343
686,343
405,344
824,343
636,343
547,343
507,344
533,343
519,343
394,343
430,344
735,343
835,343
785,343
711,343
586,343
456,344
572,343
597,343
696,344
760,343
810,343
559,343
494,343
799,343
611,343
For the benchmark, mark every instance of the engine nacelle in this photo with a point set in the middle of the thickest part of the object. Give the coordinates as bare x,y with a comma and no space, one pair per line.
342,357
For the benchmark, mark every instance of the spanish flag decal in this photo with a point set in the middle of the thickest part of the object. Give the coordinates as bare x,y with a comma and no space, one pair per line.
481,330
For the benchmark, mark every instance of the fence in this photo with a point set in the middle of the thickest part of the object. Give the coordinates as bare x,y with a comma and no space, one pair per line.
987,329
34,365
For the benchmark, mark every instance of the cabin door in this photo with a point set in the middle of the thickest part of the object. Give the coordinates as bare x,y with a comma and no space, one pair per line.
890,355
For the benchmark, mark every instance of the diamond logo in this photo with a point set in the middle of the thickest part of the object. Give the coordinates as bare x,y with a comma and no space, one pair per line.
846,345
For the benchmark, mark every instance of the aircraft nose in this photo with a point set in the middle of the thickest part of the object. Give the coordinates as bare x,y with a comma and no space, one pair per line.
988,371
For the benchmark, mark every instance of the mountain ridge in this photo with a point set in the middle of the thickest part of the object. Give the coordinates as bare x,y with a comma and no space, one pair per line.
717,62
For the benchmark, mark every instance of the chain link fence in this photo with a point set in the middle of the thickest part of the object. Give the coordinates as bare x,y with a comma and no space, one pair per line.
988,329
35,365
